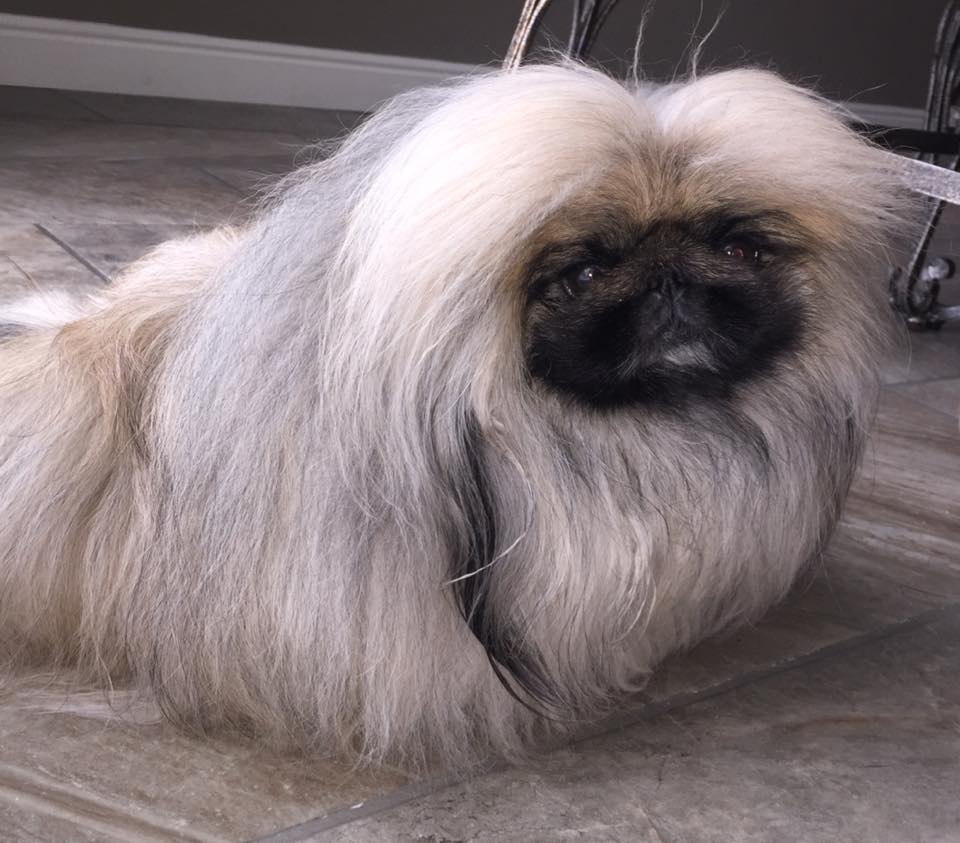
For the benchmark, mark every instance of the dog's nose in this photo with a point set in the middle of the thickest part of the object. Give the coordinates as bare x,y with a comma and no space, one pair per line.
666,281
662,299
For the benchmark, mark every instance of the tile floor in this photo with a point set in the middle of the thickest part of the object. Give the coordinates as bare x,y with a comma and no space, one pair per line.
836,718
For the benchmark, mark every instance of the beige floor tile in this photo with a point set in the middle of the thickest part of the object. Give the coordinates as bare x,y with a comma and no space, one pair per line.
143,778
902,520
147,192
942,395
27,820
111,247
30,261
923,356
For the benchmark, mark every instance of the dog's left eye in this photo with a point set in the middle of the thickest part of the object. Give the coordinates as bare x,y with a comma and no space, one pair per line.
581,274
586,275
740,250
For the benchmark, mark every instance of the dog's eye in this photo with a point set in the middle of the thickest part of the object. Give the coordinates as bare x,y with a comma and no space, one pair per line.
586,275
740,250
581,277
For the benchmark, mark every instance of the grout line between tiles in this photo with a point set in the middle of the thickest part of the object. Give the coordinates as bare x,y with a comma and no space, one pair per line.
27,277
922,381
72,252
378,805
408,793
920,400
203,169
749,677
66,95
43,795
953,416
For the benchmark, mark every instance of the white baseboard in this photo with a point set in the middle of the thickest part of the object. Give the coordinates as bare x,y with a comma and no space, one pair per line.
82,56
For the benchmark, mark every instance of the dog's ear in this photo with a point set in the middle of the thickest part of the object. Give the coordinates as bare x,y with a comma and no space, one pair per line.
478,564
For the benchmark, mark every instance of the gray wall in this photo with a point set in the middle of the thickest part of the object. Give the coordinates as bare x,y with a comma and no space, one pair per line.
870,50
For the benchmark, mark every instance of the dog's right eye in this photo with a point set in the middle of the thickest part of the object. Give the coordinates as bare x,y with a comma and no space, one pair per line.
580,277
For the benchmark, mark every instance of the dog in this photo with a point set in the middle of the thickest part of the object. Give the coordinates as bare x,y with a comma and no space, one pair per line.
538,378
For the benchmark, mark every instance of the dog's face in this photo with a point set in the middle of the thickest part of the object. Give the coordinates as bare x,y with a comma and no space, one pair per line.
626,304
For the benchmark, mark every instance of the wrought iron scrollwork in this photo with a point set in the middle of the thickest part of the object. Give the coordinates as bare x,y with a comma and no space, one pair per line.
915,287
588,18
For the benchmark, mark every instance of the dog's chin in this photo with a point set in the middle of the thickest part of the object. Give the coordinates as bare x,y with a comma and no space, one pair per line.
670,376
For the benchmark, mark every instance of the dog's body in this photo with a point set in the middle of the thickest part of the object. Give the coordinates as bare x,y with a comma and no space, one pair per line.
366,475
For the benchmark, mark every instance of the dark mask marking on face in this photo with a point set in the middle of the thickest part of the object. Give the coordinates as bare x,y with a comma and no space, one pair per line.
680,310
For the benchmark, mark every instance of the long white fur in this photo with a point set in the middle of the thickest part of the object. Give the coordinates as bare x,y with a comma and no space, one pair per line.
222,481
45,309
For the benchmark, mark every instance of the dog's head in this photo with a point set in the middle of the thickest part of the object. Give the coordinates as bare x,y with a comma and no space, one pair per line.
630,246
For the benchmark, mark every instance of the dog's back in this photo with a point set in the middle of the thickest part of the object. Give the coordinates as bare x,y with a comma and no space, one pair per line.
75,381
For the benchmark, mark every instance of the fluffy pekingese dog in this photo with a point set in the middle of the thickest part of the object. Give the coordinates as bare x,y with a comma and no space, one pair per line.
534,381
